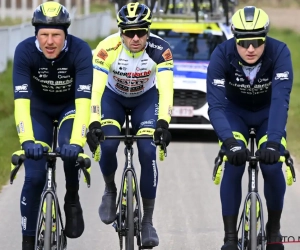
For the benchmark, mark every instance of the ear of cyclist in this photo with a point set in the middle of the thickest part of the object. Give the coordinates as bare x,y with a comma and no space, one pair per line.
161,134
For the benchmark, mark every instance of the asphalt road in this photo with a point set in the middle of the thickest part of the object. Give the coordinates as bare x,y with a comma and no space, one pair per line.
187,214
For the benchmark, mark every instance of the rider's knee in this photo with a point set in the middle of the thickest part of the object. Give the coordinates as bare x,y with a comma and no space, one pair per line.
35,173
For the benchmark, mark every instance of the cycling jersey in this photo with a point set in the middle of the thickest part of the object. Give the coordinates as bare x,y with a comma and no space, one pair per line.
54,82
132,74
267,84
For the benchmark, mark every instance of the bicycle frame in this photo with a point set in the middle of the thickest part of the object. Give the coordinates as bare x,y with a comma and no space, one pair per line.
50,187
254,197
128,167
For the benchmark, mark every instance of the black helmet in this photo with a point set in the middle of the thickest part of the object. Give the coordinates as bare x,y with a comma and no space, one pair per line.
51,13
134,15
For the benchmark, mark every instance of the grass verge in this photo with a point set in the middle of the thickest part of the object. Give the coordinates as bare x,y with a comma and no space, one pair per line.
291,39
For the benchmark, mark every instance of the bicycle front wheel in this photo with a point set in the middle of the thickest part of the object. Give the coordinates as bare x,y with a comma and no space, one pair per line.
48,222
129,223
253,222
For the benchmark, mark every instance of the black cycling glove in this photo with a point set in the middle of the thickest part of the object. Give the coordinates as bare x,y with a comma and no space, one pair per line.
161,133
236,155
270,154
94,136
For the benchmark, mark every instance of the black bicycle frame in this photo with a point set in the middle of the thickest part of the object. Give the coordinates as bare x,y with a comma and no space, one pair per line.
50,186
254,196
128,151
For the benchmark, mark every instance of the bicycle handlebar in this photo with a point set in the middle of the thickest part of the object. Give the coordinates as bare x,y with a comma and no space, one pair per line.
291,176
18,158
134,137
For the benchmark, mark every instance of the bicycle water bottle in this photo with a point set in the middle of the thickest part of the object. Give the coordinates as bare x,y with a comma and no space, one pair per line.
247,222
125,190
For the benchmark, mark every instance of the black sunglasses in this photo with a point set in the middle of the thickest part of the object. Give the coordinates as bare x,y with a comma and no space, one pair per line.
132,32
254,42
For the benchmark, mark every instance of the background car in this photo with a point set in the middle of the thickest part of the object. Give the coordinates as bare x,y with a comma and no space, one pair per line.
192,44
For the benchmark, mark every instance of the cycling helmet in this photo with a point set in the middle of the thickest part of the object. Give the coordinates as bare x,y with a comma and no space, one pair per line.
50,14
134,15
250,22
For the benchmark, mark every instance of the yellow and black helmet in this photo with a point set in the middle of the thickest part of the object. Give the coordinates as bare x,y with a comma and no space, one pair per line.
51,13
134,15
250,21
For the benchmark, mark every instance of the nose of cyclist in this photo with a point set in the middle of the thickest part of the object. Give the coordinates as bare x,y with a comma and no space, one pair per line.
251,49
135,38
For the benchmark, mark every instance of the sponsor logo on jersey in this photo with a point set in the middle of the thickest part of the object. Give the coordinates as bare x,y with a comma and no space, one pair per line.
282,76
21,88
154,46
84,88
133,74
167,55
102,54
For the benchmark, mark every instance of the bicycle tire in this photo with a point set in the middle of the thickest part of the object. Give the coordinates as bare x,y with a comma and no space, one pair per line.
253,223
48,222
129,238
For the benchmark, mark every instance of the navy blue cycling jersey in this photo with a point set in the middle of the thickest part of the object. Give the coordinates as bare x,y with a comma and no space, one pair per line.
269,87
56,81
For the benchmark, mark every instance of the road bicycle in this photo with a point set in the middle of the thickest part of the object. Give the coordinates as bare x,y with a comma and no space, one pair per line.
253,235
48,235
128,208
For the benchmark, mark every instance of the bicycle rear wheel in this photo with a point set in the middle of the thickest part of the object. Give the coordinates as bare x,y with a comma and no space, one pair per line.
129,223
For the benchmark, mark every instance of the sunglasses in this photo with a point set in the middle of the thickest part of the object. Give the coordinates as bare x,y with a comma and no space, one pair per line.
132,32
255,42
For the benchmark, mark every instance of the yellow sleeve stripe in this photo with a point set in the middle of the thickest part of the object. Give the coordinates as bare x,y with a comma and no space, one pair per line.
99,83
81,120
23,120
166,92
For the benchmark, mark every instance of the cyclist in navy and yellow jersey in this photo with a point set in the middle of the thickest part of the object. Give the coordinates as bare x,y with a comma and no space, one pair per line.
249,82
52,77
126,67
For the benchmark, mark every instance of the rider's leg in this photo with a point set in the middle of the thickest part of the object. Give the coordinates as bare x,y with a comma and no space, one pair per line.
144,116
231,188
35,176
74,215
112,116
274,190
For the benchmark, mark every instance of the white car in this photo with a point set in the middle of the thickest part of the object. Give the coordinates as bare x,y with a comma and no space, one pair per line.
192,44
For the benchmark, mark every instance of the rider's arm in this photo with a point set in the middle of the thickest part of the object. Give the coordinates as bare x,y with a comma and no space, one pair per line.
83,84
101,67
22,93
281,88
215,83
164,75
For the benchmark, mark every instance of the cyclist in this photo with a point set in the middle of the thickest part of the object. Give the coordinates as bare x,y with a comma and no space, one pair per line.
126,66
52,77
249,81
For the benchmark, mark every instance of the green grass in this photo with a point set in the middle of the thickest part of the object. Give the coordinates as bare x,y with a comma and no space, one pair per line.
8,135
291,39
